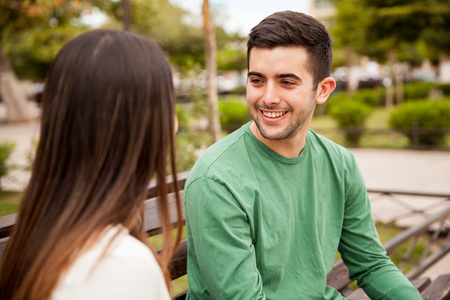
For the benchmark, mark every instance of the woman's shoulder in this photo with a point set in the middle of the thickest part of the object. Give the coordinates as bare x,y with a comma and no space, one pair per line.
127,270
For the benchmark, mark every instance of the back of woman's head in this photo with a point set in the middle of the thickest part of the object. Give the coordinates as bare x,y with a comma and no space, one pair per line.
108,112
107,122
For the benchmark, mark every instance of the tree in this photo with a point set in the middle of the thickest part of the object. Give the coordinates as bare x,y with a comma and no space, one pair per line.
350,36
388,24
33,31
403,21
211,68
126,14
10,92
436,39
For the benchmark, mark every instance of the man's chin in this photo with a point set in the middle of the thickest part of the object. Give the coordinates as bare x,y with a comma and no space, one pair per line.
272,132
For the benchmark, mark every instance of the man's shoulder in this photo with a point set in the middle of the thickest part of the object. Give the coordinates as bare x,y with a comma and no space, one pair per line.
223,155
323,146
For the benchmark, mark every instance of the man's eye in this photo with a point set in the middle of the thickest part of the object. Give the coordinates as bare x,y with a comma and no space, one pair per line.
287,83
255,80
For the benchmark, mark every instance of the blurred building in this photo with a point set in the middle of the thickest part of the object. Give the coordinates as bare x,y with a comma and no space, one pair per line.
323,10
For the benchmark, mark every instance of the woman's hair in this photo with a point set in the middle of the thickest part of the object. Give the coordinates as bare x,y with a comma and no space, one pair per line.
294,29
107,127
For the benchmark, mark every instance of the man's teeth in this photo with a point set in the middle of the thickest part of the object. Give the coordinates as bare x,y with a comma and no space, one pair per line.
273,114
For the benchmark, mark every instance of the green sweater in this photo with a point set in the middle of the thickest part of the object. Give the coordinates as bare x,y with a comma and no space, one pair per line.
262,226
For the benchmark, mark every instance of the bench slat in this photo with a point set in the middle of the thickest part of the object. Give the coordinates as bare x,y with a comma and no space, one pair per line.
181,179
439,289
152,222
178,263
6,224
338,277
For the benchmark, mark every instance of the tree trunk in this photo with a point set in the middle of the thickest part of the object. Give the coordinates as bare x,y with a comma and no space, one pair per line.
211,69
352,80
444,68
398,73
14,98
126,15
396,77
399,95
389,85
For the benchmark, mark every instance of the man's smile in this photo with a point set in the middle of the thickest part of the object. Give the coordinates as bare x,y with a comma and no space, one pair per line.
273,114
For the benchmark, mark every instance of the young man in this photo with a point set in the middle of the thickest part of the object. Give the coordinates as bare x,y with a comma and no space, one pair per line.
268,206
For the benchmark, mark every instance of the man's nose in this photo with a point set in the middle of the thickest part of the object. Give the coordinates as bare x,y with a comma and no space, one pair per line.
271,95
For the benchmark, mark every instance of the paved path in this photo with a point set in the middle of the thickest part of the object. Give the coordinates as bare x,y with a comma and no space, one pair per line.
393,170
405,170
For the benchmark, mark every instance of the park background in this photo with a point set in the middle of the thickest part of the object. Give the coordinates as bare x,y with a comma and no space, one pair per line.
391,62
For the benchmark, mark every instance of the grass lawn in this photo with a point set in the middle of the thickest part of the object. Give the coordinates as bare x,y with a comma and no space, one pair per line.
9,202
378,133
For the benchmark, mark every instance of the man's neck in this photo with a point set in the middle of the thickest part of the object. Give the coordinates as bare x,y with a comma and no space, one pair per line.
289,148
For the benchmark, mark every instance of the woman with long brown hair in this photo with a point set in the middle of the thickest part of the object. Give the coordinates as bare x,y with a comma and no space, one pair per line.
108,125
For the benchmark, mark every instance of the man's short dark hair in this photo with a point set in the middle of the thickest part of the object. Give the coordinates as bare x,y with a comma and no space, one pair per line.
288,28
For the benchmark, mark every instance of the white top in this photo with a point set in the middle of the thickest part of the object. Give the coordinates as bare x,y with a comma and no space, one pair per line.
128,271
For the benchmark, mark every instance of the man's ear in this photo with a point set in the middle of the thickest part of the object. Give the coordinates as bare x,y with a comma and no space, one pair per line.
324,89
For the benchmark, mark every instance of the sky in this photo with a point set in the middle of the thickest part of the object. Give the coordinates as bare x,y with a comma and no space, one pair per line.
236,15
242,15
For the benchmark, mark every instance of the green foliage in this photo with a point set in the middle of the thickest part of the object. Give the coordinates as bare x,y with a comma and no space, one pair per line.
372,97
351,116
231,58
437,35
32,32
444,88
430,115
9,202
31,52
6,149
371,27
183,42
193,137
350,113
233,113
417,90
189,145
334,98
164,23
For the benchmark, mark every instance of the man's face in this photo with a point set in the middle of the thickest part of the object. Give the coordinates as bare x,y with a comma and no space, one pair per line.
280,94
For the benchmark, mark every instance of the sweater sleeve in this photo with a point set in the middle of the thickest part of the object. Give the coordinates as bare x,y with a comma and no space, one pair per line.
221,261
362,251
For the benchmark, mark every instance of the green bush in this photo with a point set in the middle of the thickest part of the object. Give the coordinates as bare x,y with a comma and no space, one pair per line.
351,116
431,118
373,97
6,149
233,113
444,88
417,90
191,138
335,97
182,112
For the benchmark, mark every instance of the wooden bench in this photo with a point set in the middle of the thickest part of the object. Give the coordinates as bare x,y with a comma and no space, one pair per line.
338,278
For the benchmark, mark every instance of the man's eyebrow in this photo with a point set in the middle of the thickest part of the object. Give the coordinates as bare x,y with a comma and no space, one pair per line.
255,74
278,76
287,75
